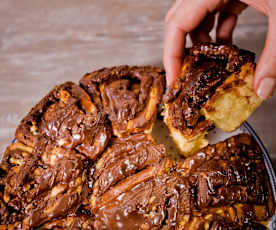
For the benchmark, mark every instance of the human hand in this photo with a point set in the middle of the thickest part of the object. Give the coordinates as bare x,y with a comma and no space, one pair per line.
197,18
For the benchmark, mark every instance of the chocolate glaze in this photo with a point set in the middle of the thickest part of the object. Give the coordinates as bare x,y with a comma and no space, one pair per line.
228,173
47,186
221,186
208,65
126,92
217,222
123,158
152,204
68,117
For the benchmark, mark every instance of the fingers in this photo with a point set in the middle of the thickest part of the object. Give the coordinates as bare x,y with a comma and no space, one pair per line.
227,20
234,7
225,27
201,33
175,40
265,76
183,18
173,9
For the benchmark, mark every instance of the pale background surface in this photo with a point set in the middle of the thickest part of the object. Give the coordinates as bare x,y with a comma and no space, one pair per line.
43,43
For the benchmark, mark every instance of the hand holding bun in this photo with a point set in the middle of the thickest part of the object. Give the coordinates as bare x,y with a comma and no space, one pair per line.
197,18
213,89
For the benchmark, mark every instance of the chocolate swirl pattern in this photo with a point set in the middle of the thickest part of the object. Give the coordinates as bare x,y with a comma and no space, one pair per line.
40,184
221,187
84,157
229,172
68,117
123,158
131,96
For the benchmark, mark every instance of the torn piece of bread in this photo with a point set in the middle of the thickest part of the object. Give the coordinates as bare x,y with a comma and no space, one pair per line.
213,89
233,101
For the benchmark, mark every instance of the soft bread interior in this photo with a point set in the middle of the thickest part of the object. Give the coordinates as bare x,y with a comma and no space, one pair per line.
188,146
185,145
233,101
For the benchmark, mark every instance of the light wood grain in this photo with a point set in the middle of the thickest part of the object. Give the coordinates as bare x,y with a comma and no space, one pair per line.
43,43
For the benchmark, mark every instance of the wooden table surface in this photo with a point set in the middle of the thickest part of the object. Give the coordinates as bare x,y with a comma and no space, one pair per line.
44,43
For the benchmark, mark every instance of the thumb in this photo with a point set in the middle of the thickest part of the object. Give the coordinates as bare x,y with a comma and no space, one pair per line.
265,76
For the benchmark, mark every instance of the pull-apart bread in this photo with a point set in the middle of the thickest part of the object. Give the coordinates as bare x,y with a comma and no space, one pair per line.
215,88
134,185
84,157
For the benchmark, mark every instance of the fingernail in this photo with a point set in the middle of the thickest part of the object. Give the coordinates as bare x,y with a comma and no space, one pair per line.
266,87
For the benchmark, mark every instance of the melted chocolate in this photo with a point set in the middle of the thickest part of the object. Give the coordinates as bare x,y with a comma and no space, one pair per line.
47,183
221,187
68,117
123,158
76,222
130,96
152,204
224,186
228,173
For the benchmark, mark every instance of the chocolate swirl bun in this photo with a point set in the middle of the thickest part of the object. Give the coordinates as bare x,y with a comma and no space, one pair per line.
123,159
41,184
224,186
214,88
131,96
230,182
133,188
156,203
68,117
221,187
